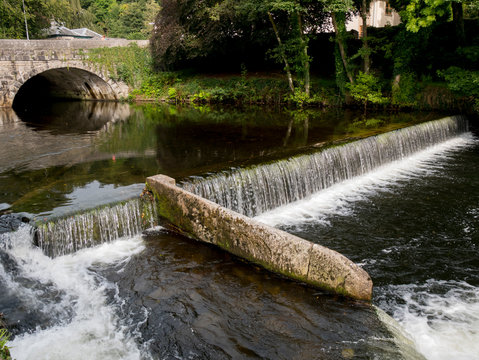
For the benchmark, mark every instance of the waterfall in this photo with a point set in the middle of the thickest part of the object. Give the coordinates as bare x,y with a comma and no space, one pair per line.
69,234
254,190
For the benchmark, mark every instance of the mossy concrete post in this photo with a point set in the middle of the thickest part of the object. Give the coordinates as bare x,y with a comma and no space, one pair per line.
273,249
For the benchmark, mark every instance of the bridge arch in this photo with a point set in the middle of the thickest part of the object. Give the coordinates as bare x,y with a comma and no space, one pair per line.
61,83
62,66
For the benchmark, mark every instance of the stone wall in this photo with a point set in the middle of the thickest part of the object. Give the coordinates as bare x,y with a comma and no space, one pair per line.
20,60
271,248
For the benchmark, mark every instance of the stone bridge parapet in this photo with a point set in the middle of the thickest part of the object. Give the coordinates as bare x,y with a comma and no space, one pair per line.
20,60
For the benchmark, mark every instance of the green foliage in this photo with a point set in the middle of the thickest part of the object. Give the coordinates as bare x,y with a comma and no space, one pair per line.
406,49
299,97
462,82
419,14
405,91
39,13
187,30
202,97
366,89
117,18
172,93
470,54
130,64
4,350
124,19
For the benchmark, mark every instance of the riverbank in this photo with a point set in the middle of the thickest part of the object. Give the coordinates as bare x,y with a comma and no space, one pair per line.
134,66
272,89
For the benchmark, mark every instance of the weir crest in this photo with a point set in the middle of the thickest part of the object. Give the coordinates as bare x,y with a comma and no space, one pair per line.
213,209
257,189
69,234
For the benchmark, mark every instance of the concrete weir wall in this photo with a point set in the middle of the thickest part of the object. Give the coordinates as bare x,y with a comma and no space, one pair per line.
271,248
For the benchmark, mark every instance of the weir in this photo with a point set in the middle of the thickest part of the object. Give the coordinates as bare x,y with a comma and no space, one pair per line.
251,191
254,190
69,234
233,194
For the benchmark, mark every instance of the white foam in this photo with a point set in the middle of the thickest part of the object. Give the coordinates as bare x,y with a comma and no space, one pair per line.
444,326
338,198
92,331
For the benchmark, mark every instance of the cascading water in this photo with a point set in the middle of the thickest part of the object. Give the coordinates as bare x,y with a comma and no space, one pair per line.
252,191
69,314
61,281
163,297
70,234
412,224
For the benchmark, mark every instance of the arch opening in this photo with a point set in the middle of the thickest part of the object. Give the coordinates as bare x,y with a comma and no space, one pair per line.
61,84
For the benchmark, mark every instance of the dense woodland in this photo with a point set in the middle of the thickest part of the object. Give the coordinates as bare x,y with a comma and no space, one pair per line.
305,42
122,18
437,41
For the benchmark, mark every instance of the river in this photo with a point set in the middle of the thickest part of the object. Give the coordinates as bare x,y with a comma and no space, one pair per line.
411,223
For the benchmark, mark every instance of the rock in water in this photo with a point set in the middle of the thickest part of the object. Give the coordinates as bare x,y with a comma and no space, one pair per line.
12,222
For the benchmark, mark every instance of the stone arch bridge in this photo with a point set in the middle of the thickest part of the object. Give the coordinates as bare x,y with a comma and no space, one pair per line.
33,69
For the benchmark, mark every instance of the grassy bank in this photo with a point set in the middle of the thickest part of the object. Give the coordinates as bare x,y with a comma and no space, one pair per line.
4,350
133,65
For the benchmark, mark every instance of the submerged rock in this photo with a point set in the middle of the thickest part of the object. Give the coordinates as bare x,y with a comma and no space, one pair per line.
11,222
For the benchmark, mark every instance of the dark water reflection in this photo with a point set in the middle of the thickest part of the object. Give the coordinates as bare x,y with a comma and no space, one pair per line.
47,154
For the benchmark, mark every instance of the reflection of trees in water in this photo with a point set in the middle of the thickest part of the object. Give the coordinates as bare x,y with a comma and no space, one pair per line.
300,122
191,141
222,138
43,158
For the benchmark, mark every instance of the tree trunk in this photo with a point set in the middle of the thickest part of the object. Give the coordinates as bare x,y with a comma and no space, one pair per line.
458,19
339,71
340,40
305,61
283,55
364,16
288,132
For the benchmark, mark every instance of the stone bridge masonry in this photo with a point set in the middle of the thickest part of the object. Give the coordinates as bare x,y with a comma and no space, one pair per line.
61,67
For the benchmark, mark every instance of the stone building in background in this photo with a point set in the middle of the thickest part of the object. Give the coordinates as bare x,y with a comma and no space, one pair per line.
380,14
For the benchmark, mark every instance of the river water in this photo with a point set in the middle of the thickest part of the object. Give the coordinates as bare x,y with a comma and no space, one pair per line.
412,224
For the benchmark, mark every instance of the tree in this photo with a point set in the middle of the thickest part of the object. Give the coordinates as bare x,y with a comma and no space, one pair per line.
187,29
419,14
338,10
296,43
363,6
39,14
152,9
366,90
208,33
289,20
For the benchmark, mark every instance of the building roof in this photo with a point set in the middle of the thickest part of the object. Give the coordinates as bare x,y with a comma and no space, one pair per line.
87,32
57,30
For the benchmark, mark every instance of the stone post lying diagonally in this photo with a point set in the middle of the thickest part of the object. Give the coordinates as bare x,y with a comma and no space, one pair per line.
273,249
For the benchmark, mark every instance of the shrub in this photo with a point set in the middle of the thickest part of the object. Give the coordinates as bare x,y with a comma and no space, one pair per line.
366,89
463,82
405,91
